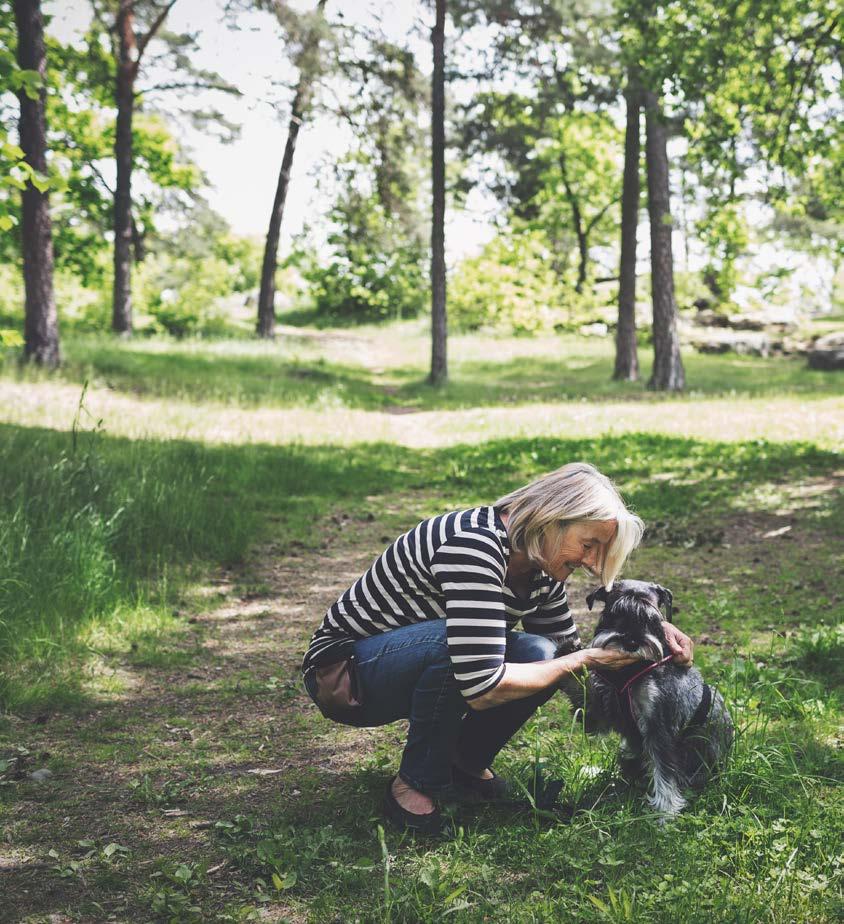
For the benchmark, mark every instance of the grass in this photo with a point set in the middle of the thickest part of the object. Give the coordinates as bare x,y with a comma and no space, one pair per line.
383,368
157,594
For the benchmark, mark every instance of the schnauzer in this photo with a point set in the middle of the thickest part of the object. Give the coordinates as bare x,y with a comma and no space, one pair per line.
671,723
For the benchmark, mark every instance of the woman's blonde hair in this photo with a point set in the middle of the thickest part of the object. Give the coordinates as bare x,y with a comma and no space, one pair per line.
575,493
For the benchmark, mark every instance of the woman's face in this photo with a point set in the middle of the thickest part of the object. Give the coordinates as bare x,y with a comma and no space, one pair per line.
583,545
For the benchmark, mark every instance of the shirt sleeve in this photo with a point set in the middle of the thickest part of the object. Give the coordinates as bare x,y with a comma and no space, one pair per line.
553,619
470,569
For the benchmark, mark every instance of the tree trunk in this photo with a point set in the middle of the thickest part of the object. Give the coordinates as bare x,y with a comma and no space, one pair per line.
127,69
439,362
626,356
41,327
266,296
577,224
668,372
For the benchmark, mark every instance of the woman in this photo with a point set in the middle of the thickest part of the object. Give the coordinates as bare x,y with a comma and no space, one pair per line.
427,633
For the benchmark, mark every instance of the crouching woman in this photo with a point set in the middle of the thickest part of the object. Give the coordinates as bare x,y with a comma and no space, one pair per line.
428,632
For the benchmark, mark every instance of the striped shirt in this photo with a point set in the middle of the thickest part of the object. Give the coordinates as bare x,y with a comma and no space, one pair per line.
450,567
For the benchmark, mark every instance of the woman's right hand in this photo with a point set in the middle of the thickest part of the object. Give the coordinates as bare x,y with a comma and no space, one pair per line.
608,658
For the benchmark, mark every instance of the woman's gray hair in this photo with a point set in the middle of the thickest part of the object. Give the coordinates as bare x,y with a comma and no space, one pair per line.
577,492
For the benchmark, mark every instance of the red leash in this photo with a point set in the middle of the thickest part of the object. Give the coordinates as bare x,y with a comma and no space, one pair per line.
632,680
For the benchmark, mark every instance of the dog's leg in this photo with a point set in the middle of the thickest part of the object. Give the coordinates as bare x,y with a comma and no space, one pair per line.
631,762
666,793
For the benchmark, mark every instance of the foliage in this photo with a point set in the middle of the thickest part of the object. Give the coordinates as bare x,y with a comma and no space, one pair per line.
15,172
374,269
509,287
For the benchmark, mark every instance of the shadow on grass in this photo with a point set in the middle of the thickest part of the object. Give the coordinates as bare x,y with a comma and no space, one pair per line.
202,372
101,528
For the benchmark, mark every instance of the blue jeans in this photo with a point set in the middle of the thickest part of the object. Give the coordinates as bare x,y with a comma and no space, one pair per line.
406,673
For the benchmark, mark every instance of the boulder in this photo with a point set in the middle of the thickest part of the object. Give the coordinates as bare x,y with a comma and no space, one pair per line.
745,322
827,352
709,318
746,343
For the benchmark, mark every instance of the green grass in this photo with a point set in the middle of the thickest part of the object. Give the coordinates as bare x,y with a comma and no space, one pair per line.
147,660
97,529
366,373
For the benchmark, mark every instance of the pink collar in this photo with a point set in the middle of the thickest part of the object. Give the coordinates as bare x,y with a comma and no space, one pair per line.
627,688
645,670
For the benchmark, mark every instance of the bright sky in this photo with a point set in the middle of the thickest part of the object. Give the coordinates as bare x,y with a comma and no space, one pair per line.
243,175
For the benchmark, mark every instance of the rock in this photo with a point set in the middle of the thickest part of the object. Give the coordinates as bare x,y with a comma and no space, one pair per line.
827,353
709,318
745,322
746,343
41,776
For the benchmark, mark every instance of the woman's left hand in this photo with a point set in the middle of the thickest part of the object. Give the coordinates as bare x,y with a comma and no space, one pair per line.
679,644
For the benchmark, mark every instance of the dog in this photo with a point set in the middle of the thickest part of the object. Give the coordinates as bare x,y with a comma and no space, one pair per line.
675,729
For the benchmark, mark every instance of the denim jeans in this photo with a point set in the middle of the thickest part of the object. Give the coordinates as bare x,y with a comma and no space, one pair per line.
406,673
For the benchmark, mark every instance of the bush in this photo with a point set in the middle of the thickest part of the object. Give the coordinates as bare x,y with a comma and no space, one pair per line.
512,287
377,270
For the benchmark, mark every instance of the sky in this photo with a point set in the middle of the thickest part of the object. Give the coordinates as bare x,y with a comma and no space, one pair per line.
243,175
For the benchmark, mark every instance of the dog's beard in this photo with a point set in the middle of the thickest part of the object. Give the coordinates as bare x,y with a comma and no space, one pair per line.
650,647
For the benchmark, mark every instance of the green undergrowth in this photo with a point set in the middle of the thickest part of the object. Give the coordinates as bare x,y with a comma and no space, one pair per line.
296,372
102,536
758,845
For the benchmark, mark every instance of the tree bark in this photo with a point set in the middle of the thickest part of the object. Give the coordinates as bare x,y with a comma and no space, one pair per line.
127,70
439,361
266,296
626,355
41,327
668,374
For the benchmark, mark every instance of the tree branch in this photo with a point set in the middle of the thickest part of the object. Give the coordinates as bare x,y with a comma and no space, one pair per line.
599,215
156,25
193,85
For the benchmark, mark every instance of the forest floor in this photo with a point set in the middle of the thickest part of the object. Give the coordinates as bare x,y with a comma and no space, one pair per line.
191,778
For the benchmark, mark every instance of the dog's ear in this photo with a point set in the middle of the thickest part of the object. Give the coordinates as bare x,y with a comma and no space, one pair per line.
599,593
666,599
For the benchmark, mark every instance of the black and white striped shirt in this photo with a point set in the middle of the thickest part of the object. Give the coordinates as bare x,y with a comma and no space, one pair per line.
450,567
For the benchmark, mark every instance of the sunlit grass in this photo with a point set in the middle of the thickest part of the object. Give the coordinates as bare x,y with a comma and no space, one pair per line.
385,368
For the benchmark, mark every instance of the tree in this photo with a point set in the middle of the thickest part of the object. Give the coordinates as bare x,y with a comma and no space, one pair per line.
130,52
626,355
439,361
41,331
134,26
307,63
667,374
373,262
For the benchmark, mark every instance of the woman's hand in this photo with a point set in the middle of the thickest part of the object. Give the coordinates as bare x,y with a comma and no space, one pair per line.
608,658
679,644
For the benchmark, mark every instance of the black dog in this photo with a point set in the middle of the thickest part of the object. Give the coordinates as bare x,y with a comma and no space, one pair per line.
675,729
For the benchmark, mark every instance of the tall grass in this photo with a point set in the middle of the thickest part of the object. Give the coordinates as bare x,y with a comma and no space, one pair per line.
89,528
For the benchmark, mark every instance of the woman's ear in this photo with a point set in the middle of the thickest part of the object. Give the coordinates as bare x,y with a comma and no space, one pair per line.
599,593
666,599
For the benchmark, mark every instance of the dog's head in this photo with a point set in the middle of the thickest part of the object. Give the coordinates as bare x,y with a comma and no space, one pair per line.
631,620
